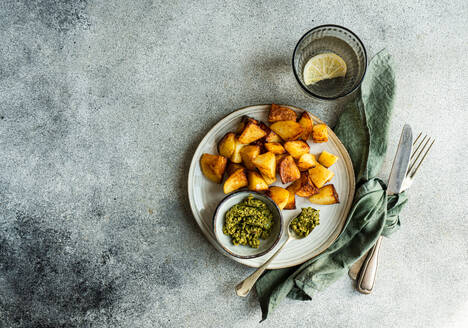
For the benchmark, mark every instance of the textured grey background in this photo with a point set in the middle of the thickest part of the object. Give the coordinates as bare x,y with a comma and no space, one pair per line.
101,107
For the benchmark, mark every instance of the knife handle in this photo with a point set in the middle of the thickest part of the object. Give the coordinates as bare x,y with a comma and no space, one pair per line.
366,280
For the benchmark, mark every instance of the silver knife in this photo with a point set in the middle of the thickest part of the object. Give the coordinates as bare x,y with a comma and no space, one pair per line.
366,280
401,161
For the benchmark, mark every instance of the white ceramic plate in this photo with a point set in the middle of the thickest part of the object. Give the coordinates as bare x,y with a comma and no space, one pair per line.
205,195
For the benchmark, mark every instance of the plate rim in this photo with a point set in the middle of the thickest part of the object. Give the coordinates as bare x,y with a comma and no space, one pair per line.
338,230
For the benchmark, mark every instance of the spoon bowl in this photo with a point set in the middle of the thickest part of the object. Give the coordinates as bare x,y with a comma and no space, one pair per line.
291,234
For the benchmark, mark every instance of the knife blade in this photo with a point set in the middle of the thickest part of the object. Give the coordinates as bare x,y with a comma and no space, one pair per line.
401,161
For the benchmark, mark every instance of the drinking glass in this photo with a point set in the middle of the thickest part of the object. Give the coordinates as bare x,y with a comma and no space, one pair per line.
342,42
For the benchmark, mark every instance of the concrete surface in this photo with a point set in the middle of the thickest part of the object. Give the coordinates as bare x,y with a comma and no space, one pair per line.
101,107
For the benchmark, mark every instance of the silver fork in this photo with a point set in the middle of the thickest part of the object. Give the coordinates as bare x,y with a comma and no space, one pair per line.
366,280
414,164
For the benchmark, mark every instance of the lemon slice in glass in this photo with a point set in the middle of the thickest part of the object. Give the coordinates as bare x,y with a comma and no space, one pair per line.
324,66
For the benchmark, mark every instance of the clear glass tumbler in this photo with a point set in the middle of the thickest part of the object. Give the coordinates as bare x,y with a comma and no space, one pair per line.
338,40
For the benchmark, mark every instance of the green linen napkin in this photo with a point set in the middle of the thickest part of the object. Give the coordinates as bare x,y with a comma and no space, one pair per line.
363,129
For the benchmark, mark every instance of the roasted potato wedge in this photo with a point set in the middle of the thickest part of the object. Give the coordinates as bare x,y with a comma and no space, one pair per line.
261,144
236,157
295,185
320,133
306,161
256,181
327,159
288,170
296,148
287,130
274,147
327,195
266,164
235,181
244,121
264,127
278,160
270,136
233,167
273,137
251,133
268,180
278,113
320,175
248,153
307,124
213,166
227,145
303,186
291,204
279,195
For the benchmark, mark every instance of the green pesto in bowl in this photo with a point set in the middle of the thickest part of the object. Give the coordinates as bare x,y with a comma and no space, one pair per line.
305,222
248,222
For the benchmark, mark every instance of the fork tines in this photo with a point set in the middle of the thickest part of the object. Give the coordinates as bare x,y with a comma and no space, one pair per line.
421,149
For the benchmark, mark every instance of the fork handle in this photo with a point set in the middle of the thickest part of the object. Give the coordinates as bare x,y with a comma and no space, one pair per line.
366,280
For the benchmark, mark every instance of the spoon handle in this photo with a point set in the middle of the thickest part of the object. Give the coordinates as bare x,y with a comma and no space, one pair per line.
244,287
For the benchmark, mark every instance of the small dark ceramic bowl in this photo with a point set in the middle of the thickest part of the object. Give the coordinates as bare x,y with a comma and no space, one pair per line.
240,251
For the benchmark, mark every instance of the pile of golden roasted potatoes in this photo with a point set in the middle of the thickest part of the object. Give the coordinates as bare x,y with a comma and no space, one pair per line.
252,157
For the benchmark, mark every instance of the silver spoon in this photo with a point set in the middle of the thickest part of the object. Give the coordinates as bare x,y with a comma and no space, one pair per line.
244,287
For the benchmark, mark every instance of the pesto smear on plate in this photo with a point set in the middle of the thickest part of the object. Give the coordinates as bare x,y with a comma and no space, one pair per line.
248,222
305,222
